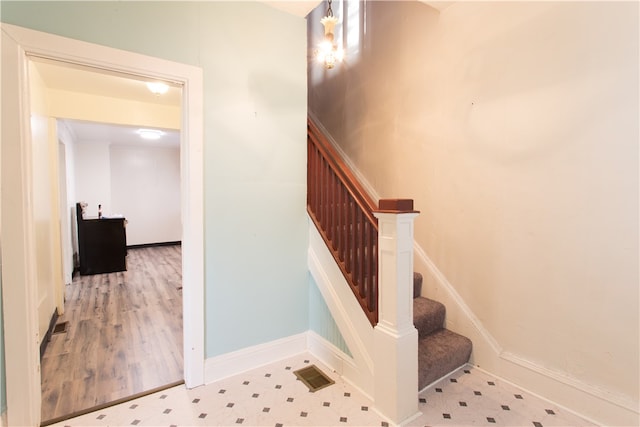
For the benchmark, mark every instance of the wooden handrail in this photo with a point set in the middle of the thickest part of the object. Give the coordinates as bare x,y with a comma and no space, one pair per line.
343,213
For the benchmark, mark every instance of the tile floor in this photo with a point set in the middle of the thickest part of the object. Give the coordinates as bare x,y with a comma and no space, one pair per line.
272,396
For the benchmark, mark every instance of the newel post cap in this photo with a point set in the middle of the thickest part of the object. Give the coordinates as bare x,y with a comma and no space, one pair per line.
396,206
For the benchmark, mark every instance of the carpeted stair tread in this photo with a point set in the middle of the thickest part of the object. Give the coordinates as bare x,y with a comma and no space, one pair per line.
428,315
440,353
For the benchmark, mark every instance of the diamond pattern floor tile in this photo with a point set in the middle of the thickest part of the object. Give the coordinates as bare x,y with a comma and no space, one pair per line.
272,396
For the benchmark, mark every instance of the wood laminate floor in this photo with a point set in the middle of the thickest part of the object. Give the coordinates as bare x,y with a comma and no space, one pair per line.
124,335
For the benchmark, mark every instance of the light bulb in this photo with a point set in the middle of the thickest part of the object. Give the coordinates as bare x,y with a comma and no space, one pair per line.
157,88
150,133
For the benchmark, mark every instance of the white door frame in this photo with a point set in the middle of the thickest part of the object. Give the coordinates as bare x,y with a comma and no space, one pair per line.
23,385
65,221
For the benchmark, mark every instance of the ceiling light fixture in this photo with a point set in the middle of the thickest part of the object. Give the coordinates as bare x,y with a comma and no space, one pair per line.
157,88
151,134
328,53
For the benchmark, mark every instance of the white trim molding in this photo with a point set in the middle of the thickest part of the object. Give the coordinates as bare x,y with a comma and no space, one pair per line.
19,285
395,336
239,361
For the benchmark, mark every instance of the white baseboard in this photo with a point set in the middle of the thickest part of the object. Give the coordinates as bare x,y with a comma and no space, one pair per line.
237,362
592,403
3,419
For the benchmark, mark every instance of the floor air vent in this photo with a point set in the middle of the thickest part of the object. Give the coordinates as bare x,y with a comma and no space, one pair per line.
60,328
313,378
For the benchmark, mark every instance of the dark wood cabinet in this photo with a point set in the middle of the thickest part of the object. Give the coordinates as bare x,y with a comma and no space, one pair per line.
102,244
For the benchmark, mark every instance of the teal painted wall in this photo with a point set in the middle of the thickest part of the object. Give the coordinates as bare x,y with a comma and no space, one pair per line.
255,96
321,321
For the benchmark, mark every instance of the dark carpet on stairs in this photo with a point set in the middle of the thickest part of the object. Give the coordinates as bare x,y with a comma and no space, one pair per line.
440,351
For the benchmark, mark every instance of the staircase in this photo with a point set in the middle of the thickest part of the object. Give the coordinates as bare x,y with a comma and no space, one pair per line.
376,269
440,351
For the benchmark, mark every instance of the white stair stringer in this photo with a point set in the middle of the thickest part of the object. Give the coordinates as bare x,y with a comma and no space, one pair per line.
346,311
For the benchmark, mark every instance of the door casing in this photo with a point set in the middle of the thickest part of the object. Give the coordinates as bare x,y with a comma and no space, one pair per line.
18,251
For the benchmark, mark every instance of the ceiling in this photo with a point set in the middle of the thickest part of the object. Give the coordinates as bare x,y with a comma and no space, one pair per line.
299,8
73,78
303,7
91,132
76,78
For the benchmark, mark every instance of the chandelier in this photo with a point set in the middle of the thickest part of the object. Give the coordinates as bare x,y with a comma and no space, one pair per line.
328,53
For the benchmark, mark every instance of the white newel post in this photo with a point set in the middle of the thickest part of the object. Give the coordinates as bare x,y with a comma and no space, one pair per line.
395,336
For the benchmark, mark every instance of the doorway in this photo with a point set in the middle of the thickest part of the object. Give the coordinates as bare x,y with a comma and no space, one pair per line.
19,44
119,334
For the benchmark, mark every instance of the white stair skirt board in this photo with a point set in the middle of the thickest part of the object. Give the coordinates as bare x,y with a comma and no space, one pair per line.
328,353
345,310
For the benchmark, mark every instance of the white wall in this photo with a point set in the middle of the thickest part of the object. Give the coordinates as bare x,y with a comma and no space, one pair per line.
514,126
93,176
140,183
536,224
145,187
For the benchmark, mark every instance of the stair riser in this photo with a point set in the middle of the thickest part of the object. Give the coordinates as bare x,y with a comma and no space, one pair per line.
440,351
439,354
428,316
